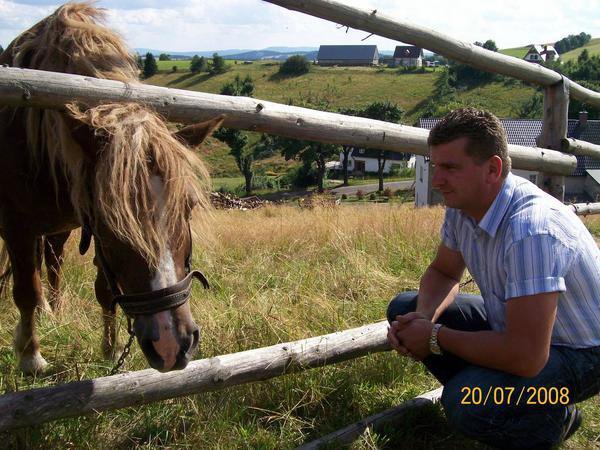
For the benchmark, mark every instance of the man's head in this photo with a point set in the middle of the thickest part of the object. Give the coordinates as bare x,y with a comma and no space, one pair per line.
469,153
484,132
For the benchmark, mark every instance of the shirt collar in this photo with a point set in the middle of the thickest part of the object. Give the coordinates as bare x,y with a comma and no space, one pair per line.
494,215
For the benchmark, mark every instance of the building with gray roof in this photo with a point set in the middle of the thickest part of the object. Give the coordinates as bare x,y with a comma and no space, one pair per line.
348,55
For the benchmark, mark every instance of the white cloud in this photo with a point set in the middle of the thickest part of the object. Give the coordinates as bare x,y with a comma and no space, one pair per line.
179,25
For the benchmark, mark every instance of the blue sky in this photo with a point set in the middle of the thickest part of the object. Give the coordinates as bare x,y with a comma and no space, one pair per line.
178,25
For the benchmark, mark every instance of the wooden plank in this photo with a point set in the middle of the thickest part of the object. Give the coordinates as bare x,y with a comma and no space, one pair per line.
36,406
349,434
25,87
583,209
576,147
373,21
554,131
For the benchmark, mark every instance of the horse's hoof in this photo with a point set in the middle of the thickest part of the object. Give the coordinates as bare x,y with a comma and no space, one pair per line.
33,365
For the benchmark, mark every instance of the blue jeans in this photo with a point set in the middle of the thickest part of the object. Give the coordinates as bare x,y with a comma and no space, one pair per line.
500,421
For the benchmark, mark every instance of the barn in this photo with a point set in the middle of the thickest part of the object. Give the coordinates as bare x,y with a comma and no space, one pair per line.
348,55
408,56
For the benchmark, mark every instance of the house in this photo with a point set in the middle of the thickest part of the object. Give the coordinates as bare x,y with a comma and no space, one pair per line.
541,53
348,55
408,56
581,185
364,160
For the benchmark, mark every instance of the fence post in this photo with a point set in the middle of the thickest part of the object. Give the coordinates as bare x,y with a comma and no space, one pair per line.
554,130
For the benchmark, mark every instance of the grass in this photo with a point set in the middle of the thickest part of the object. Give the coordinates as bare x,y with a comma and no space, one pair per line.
278,274
593,47
517,52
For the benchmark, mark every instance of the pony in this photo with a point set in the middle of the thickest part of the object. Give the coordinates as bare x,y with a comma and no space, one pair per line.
116,171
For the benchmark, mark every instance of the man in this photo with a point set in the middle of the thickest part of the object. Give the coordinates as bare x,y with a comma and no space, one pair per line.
515,360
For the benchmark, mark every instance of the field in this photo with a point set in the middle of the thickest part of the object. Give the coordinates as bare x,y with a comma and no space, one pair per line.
278,274
593,47
338,87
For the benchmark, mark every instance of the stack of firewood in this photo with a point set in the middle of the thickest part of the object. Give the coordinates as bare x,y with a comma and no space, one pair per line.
227,201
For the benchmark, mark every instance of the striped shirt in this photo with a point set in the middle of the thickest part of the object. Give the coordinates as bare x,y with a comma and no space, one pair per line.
529,243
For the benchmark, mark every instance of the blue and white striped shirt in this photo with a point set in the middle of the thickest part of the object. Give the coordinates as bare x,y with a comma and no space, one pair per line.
529,243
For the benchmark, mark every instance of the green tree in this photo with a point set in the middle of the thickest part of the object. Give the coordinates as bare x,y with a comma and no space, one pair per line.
490,45
387,112
1,49
295,65
198,64
239,147
150,66
164,57
218,65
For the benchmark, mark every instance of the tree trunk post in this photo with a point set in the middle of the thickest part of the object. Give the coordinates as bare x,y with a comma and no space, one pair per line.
554,131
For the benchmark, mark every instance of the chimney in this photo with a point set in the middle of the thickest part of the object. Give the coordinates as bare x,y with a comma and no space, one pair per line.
583,117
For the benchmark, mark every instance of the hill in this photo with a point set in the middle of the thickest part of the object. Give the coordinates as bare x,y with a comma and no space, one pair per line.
339,87
517,52
593,47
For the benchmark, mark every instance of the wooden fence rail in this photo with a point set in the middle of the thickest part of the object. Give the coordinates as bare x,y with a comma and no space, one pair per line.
41,405
26,87
374,22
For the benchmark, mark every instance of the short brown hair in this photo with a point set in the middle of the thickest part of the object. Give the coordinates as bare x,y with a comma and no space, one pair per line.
484,131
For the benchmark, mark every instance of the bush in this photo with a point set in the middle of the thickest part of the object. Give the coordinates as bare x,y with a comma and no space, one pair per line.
300,177
174,69
372,196
344,197
387,192
294,66
360,194
198,64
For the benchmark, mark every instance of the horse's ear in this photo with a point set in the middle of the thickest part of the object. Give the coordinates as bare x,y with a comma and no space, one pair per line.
193,135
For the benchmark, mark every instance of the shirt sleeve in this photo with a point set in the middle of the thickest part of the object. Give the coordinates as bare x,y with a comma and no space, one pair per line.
536,264
448,231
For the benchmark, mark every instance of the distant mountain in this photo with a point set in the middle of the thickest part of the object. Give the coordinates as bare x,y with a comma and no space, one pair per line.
257,55
292,49
143,51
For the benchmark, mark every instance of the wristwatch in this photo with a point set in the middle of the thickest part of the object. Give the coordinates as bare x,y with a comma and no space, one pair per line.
434,347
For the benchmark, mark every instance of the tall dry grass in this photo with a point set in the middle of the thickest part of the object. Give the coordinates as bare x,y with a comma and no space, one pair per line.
277,274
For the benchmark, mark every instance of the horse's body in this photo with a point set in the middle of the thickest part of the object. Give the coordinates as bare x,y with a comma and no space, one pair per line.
115,168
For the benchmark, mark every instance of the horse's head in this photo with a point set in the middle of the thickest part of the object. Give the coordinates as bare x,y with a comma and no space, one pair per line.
141,198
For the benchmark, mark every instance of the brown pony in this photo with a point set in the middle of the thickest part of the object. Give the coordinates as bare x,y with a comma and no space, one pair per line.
114,168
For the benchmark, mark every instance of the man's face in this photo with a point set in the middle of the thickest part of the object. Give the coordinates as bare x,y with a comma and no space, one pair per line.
457,176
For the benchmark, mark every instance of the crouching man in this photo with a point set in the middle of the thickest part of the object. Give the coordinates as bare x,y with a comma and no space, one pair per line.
515,360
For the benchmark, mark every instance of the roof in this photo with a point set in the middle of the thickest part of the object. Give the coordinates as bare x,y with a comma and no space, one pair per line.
595,174
407,51
366,52
524,132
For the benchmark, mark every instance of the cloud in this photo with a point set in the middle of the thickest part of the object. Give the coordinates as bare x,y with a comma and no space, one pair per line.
180,25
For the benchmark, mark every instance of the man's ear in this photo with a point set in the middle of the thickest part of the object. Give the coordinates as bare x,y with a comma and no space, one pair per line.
495,168
193,135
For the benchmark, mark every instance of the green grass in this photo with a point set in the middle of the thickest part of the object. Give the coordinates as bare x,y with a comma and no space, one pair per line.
593,47
278,274
517,52
182,65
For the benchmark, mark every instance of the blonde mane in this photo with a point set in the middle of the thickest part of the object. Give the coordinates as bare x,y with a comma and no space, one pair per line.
135,142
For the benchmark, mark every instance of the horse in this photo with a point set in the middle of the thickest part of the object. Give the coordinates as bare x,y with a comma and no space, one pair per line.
117,171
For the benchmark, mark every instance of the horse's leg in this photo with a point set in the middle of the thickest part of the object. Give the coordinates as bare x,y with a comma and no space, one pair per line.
53,255
24,251
104,296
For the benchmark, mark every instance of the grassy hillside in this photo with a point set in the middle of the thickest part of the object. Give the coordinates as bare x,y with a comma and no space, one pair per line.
517,52
277,274
339,87
593,47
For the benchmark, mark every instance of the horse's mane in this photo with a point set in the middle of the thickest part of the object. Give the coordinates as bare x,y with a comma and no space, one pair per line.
136,143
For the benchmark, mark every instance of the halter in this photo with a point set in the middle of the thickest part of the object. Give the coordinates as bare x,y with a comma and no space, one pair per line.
149,302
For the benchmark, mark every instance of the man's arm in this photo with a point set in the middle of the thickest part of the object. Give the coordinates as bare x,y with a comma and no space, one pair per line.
439,285
522,349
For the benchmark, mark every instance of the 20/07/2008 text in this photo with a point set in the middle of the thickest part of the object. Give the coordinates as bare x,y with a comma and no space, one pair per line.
507,395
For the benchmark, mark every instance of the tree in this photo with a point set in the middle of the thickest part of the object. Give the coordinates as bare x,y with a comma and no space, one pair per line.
218,65
346,149
239,87
1,49
490,45
387,112
164,57
150,66
198,64
237,140
295,65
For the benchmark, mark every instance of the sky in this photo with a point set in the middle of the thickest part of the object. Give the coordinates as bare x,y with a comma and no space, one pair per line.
204,25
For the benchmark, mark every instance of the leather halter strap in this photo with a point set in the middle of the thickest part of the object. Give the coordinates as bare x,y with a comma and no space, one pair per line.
147,302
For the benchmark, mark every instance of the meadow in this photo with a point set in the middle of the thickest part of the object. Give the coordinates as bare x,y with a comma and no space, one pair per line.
278,273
